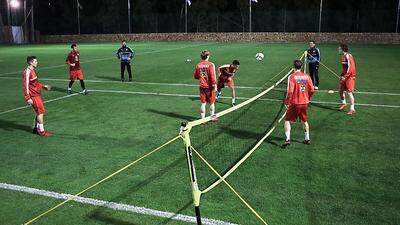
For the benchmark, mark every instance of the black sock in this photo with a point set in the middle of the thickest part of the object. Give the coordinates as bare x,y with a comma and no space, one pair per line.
82,84
70,84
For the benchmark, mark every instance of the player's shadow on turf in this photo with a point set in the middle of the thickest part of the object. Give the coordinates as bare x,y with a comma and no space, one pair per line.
97,214
11,126
321,106
172,115
58,89
109,78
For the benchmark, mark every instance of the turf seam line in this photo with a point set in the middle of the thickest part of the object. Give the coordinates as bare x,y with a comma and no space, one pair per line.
192,85
113,205
47,101
242,98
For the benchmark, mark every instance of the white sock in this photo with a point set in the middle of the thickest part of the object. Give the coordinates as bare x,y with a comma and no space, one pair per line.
287,133
69,88
212,112
41,127
203,115
352,107
233,100
306,135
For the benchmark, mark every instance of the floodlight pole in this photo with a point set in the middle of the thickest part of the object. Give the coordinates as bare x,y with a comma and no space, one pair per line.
129,16
196,193
32,23
25,36
186,13
79,21
249,16
8,13
320,17
398,15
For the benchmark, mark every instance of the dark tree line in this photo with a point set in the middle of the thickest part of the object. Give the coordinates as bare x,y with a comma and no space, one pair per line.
111,16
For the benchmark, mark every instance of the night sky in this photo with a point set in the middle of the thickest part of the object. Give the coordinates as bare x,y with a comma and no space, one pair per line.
111,16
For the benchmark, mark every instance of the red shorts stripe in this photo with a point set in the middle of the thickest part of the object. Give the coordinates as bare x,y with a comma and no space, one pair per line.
38,105
76,74
347,85
207,95
295,112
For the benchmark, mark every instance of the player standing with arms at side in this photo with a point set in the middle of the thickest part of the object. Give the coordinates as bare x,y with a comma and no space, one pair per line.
75,69
226,75
125,54
205,73
313,59
347,79
299,92
33,96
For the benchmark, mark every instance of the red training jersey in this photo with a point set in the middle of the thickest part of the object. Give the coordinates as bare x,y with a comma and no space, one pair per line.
73,57
300,89
348,65
205,73
226,71
30,83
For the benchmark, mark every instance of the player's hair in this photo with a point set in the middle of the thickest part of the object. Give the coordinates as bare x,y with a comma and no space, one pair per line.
312,41
204,54
73,45
344,47
123,41
297,64
30,58
236,62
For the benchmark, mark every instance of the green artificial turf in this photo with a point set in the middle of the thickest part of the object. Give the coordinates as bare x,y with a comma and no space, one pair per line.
349,175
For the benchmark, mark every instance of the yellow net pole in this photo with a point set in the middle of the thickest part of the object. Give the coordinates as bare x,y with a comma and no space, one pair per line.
231,188
102,180
196,193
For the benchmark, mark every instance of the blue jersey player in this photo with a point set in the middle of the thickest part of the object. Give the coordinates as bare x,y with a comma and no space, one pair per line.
313,59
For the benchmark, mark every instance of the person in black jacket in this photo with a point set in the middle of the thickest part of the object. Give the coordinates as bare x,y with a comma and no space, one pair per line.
313,59
125,54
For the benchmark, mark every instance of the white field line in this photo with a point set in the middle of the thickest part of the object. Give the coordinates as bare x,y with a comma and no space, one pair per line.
113,205
28,106
107,58
243,98
190,85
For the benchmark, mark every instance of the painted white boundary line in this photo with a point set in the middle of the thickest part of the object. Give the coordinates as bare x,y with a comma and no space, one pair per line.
189,85
113,205
243,98
107,58
28,106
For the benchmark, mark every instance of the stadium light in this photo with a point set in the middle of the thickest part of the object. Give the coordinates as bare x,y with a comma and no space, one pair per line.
14,4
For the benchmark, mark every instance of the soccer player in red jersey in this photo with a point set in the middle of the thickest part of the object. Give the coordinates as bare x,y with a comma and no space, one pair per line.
226,75
75,69
205,73
347,79
32,93
299,91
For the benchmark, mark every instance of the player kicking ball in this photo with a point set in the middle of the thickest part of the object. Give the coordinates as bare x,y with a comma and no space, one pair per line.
347,79
226,74
75,69
299,91
33,96
205,73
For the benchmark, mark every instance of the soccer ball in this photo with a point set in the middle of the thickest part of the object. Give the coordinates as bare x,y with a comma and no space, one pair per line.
259,56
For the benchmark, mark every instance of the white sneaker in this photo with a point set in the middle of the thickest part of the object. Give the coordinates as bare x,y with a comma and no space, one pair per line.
218,95
316,88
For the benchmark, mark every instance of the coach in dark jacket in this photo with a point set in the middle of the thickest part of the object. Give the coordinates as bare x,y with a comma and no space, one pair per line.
125,54
313,59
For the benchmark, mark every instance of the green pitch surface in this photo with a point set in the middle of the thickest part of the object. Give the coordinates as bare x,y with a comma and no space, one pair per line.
349,175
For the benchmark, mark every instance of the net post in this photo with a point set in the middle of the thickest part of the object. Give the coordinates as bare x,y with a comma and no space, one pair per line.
305,62
196,193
